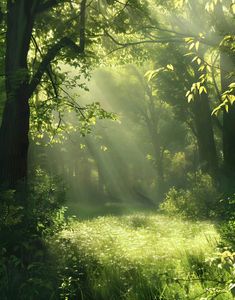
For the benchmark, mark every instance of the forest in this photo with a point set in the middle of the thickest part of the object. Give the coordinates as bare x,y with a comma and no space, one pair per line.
117,149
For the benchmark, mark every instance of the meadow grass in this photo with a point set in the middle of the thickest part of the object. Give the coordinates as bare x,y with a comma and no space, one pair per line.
137,257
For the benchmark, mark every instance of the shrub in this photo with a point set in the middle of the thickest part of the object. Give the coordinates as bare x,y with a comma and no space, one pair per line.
198,201
30,216
226,212
222,273
45,198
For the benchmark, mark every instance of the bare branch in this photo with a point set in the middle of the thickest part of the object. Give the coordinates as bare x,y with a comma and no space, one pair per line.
72,103
135,43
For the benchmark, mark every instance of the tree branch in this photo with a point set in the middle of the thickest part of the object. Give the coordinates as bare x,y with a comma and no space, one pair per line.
141,42
51,54
82,24
151,41
48,70
55,49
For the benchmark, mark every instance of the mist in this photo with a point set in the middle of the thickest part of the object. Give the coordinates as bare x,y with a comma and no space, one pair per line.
117,150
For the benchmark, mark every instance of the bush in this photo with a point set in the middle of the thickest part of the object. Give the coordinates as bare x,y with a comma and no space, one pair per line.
222,273
45,212
30,216
227,230
226,213
198,201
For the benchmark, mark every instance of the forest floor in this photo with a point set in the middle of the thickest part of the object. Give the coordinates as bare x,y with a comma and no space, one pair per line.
138,256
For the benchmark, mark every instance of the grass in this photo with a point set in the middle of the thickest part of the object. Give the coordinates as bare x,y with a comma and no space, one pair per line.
87,210
137,257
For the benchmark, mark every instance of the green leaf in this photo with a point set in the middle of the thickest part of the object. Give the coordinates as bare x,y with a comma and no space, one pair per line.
170,67
190,98
215,111
199,61
232,85
202,89
191,46
231,98
103,148
202,67
188,40
150,74
149,157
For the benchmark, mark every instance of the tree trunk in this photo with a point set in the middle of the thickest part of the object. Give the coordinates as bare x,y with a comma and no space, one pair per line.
227,66
158,154
202,121
205,135
15,121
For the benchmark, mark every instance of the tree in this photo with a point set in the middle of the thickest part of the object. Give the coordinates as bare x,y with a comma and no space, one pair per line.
187,73
36,45
20,86
225,29
173,37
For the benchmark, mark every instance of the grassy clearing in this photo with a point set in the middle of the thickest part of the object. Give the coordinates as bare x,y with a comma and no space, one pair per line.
87,210
137,257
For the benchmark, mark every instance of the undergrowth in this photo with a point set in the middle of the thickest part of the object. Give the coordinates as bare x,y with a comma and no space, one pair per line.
138,257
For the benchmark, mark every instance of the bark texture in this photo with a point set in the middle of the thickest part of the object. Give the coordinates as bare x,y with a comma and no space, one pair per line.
204,134
15,122
14,129
227,66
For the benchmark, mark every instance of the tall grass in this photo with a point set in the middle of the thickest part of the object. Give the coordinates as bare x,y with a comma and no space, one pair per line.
137,257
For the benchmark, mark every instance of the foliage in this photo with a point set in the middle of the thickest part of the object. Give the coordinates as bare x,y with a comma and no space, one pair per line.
198,201
226,212
227,230
223,266
135,257
26,270
183,43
